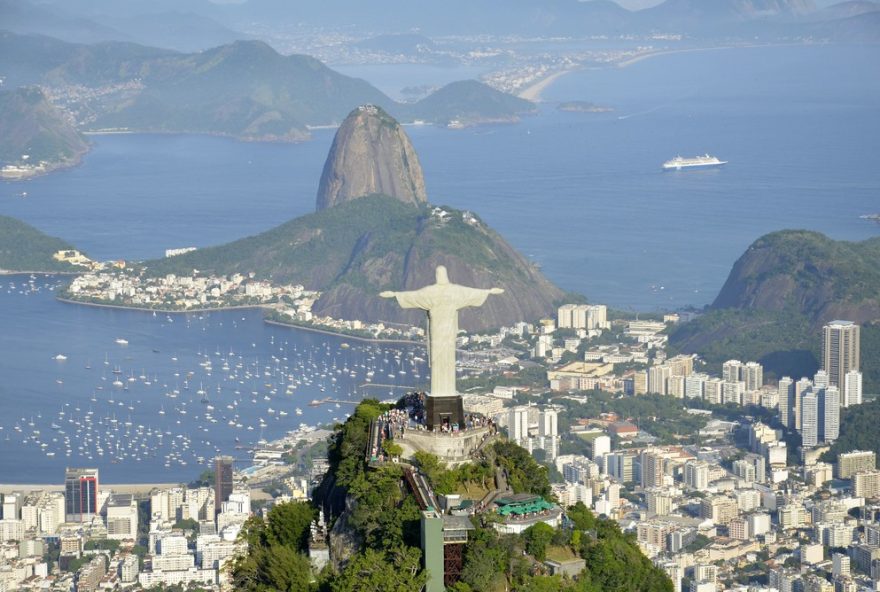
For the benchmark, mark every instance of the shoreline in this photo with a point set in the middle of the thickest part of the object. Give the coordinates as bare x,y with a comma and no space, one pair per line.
534,90
241,307
162,310
10,272
116,487
345,335
663,52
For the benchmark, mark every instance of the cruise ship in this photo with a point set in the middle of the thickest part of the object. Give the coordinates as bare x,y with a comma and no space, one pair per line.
679,163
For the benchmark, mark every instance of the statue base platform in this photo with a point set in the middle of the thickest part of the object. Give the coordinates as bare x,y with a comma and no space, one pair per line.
454,449
444,412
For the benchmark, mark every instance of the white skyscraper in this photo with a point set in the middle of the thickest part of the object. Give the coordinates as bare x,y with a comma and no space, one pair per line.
548,423
518,424
820,380
810,418
800,387
852,389
695,385
696,474
753,376
786,401
829,404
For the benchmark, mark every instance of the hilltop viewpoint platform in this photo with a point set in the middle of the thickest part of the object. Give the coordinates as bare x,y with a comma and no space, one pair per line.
453,448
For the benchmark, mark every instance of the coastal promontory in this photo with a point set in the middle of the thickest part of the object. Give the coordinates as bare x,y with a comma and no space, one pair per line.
36,136
780,293
23,248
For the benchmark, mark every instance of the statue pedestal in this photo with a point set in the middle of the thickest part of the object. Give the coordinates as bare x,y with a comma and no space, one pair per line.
444,411
453,448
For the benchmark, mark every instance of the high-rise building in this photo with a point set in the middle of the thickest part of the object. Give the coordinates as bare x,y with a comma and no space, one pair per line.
695,385
657,376
810,418
829,413
839,565
122,517
80,494
681,365
840,350
753,376
732,392
786,401
731,371
620,466
866,484
712,390
652,462
696,474
518,423
12,506
849,463
720,509
222,481
800,387
548,423
852,389
582,316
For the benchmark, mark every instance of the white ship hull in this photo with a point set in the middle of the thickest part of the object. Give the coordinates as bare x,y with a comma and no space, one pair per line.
678,163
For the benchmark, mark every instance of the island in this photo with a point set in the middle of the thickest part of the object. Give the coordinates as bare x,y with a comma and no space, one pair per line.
583,107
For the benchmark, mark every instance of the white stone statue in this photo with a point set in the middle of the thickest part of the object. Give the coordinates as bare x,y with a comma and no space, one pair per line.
442,302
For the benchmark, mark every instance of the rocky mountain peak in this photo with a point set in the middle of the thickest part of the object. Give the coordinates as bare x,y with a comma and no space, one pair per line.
371,154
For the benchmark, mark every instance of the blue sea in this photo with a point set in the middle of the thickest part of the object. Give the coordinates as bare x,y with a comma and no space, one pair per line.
583,195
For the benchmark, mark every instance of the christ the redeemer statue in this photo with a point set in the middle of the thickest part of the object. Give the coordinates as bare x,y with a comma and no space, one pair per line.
442,301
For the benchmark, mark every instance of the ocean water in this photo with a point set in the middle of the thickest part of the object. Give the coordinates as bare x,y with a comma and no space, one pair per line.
158,408
583,195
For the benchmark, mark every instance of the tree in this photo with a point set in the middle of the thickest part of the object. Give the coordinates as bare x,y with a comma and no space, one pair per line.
286,569
289,525
374,571
523,473
485,558
581,516
275,558
187,524
537,537
392,448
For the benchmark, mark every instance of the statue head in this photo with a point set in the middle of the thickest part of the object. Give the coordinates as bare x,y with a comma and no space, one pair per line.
442,276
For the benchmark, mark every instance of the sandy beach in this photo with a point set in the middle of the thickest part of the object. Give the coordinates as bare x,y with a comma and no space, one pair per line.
533,91
663,52
133,488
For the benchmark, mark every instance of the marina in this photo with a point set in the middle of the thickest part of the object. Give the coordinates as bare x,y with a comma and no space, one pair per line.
180,390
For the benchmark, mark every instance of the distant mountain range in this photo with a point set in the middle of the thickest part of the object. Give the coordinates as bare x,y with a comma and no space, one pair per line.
160,24
199,24
244,89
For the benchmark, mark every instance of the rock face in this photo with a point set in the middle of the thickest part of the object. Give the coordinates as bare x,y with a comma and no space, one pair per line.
809,274
371,154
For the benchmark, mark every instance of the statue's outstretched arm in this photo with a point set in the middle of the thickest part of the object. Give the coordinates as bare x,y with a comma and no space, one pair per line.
388,294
